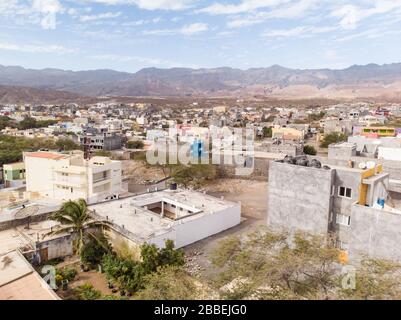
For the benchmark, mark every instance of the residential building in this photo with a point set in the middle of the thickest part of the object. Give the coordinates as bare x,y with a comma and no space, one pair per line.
100,141
284,133
183,216
351,204
20,281
14,175
70,176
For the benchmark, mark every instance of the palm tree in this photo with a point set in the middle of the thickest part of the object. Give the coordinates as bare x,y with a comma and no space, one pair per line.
74,218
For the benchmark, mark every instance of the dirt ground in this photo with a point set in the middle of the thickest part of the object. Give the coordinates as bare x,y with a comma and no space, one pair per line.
253,197
95,278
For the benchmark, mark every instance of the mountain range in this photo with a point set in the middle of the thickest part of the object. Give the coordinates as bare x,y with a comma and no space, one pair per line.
356,82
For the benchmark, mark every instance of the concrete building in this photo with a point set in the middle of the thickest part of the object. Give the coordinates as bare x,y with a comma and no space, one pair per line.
14,175
100,141
342,151
70,176
20,281
351,204
180,215
338,125
283,133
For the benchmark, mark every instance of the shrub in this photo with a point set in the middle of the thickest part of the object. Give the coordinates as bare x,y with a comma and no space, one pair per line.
94,250
87,292
136,144
66,273
310,150
129,275
331,138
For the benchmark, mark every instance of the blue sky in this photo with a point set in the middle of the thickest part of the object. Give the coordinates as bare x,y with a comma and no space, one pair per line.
127,35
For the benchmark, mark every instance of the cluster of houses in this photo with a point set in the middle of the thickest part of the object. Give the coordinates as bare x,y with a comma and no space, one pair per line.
352,193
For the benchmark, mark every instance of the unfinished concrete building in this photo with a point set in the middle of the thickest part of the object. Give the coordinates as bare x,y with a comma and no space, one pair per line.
351,204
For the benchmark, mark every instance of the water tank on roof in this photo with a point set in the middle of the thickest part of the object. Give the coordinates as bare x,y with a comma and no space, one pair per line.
371,165
362,166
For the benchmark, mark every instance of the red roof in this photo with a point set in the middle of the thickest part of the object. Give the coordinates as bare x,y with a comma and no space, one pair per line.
45,155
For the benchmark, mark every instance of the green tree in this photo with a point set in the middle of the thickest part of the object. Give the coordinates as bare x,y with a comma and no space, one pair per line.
102,153
169,256
94,250
193,174
30,123
334,137
267,132
310,150
129,274
5,122
316,116
136,144
87,292
169,283
11,148
375,280
264,266
150,257
74,218
66,144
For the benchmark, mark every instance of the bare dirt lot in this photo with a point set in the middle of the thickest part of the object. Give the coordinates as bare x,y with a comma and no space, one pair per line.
253,197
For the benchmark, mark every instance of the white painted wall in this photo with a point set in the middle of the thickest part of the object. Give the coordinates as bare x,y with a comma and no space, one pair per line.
388,153
191,231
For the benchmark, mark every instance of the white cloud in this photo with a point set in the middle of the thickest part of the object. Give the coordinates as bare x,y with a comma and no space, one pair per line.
101,16
286,10
42,12
194,28
350,15
243,7
173,5
187,30
36,48
297,31
144,61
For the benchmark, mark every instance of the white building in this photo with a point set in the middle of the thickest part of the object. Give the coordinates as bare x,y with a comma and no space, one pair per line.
183,216
70,176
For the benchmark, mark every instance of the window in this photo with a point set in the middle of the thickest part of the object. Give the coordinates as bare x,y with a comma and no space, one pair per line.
342,245
343,219
345,192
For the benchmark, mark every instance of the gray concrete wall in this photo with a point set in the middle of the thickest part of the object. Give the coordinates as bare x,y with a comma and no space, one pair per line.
341,152
375,233
57,248
393,168
348,179
299,198
260,170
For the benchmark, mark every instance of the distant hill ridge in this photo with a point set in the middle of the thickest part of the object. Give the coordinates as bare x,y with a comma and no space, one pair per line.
370,81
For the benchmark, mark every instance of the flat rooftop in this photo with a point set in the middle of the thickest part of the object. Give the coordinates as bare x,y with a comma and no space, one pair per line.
11,239
132,213
19,281
23,238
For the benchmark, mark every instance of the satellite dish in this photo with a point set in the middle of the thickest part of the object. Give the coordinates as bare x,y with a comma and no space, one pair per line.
371,164
26,212
362,165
